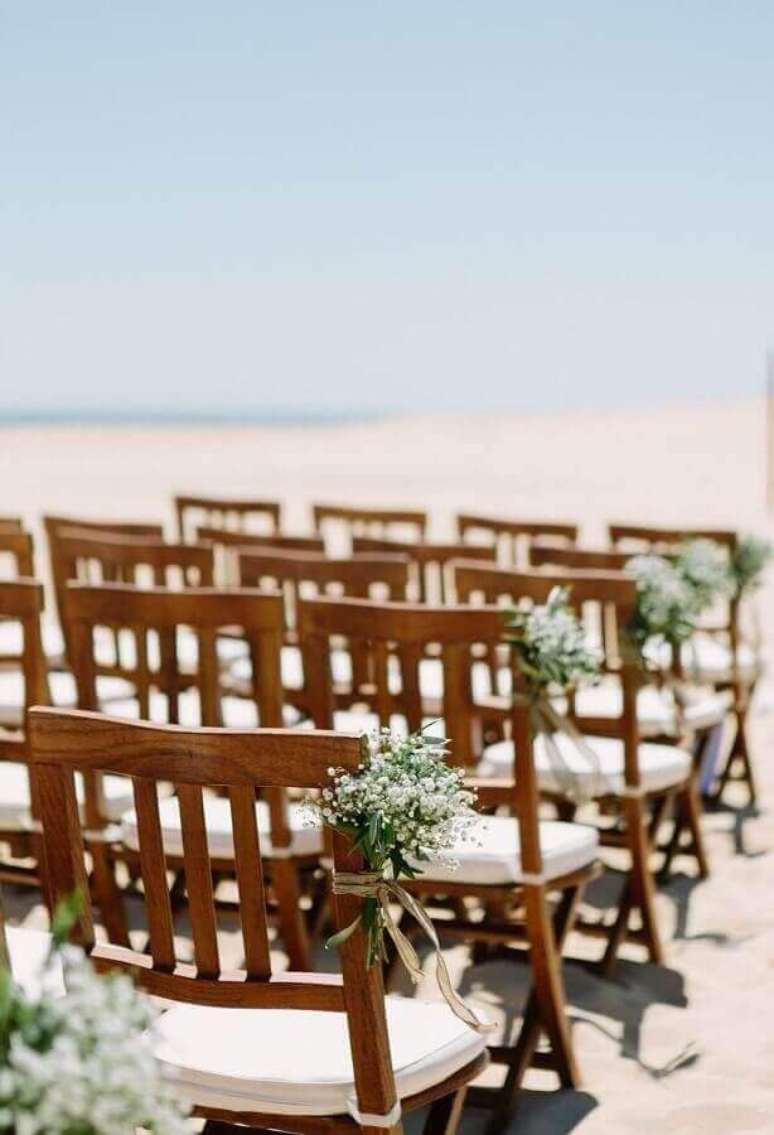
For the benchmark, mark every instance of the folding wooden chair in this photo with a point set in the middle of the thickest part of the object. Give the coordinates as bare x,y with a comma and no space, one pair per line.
347,521
167,688
300,1053
54,526
512,538
717,655
521,863
431,582
218,512
635,779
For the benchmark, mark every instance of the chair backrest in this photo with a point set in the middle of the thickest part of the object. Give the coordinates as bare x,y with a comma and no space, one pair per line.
401,633
306,574
223,512
55,525
93,557
636,538
241,763
356,521
606,602
394,639
21,607
228,544
165,644
585,559
431,581
11,522
512,538
16,553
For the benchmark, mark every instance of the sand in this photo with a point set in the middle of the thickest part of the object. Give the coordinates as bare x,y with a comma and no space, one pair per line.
687,1047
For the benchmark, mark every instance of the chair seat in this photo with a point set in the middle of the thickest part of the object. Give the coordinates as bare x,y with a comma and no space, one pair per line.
15,814
708,659
661,766
306,837
656,709
492,856
28,951
288,1062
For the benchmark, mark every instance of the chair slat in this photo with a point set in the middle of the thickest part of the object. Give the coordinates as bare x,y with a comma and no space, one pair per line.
198,878
250,882
154,874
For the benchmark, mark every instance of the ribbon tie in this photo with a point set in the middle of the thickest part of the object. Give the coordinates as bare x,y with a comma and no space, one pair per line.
373,885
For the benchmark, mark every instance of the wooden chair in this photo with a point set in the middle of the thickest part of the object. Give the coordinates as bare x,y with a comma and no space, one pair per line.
634,779
431,581
356,521
168,689
219,512
16,562
717,655
11,522
299,574
521,862
293,1052
54,526
512,538
21,604
227,544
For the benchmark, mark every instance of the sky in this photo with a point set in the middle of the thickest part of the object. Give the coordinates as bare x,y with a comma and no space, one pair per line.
344,207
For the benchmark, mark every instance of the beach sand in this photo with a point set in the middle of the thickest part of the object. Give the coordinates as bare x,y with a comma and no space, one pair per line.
687,1047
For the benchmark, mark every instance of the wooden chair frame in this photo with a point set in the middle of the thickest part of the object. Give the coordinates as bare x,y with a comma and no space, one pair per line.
405,630
55,525
429,562
362,521
641,811
512,538
260,617
18,544
739,766
241,763
225,512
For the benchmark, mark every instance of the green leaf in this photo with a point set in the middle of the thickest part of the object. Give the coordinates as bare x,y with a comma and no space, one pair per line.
342,936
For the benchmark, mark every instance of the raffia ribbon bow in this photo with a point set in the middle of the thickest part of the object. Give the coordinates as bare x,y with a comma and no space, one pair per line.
546,722
373,885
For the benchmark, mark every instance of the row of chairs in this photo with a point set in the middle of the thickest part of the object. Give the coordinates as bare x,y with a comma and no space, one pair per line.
250,656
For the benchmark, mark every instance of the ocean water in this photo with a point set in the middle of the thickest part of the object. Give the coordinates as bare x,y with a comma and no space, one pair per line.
186,417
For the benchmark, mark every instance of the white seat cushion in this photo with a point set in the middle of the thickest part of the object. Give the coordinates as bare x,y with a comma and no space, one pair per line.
306,837
492,856
661,766
15,796
28,951
656,709
708,659
289,1062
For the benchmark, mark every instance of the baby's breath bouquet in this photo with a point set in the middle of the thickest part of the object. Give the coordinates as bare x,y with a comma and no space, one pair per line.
550,644
553,654
81,1063
750,560
667,605
404,805
704,567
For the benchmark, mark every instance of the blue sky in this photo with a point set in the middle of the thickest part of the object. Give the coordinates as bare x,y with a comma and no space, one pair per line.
427,205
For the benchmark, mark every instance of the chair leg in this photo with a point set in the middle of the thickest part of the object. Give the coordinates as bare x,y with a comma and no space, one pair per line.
444,1115
740,753
640,892
545,1000
284,877
690,809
